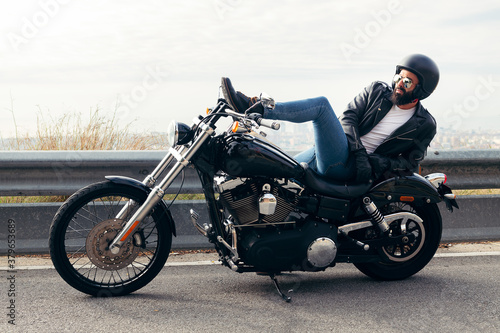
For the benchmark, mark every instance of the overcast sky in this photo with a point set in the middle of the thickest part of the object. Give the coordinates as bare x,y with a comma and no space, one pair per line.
153,61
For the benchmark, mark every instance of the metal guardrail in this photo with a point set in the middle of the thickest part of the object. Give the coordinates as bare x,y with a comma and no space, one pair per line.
34,173
64,172
466,169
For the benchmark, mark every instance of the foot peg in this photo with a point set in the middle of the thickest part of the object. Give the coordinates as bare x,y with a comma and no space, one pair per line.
203,229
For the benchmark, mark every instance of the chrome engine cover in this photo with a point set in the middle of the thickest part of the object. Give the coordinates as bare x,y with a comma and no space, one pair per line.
267,204
321,252
250,202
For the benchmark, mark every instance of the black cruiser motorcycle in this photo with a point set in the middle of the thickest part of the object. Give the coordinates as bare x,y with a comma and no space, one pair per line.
267,213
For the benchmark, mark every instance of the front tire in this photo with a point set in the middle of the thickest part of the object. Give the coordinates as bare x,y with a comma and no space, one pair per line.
402,261
84,226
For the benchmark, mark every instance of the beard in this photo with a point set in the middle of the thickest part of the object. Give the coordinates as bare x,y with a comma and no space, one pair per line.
405,98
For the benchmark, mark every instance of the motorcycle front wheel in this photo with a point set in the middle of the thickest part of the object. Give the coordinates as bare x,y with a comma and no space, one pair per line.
406,259
83,228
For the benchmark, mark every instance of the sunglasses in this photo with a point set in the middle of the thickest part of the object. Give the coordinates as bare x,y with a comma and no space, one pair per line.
407,82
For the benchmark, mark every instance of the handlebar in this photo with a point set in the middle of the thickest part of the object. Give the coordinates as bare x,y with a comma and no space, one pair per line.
248,117
268,123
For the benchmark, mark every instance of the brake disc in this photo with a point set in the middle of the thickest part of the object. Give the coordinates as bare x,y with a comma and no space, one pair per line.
97,245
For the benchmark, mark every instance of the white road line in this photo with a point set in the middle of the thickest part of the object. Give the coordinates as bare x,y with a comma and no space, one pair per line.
212,262
26,268
467,254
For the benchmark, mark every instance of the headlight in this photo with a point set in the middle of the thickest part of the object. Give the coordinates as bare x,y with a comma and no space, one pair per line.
178,134
172,134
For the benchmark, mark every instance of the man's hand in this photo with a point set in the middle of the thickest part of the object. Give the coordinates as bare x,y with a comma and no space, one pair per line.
363,166
379,163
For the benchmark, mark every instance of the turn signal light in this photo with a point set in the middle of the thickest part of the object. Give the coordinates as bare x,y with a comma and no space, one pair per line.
235,127
406,198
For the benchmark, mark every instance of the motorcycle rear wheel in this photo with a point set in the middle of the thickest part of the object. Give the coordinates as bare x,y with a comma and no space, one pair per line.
85,225
404,265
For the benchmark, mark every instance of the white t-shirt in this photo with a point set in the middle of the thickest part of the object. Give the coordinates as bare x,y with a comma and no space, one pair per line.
391,122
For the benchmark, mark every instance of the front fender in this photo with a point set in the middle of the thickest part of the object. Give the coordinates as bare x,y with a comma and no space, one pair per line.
141,187
414,188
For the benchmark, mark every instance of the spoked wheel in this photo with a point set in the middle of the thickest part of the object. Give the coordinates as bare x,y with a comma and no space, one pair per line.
84,227
414,252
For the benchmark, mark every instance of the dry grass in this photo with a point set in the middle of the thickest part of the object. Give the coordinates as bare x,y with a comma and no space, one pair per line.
30,199
95,132
477,192
76,132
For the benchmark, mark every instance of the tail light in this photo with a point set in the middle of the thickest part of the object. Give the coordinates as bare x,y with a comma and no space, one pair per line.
436,179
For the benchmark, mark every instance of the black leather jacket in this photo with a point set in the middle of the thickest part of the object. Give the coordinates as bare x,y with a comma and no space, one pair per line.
404,149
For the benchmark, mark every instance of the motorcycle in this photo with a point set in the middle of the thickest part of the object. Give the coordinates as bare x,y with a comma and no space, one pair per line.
267,213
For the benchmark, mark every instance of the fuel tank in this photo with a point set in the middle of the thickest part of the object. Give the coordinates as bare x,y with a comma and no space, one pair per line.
246,155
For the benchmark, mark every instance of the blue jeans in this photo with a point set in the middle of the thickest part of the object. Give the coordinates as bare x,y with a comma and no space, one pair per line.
329,156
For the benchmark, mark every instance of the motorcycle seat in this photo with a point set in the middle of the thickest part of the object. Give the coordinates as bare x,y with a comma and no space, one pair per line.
327,186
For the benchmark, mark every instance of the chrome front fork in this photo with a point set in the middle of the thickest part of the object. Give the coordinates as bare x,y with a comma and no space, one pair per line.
183,157
149,181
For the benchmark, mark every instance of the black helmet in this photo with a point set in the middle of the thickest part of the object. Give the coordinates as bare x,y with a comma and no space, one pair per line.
425,69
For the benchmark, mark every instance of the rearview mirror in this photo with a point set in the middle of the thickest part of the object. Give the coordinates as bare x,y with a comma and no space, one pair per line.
267,101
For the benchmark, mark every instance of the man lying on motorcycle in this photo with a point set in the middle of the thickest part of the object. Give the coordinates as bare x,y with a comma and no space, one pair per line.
384,131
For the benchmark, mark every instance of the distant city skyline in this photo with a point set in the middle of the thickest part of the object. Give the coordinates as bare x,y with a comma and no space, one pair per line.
445,138
299,137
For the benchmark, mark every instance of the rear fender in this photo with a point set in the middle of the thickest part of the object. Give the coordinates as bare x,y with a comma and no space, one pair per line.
413,188
141,187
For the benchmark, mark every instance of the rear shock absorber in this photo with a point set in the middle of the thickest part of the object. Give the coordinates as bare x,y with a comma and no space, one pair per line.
377,217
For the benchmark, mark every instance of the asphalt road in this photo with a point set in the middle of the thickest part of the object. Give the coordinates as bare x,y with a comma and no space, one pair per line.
452,294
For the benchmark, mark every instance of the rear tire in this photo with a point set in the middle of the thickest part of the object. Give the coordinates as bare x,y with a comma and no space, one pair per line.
85,225
405,266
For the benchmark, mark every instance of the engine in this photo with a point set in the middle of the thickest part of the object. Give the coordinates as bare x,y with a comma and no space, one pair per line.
310,247
258,201
271,235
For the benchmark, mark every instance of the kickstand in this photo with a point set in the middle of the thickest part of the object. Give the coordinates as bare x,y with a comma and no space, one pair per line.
276,284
